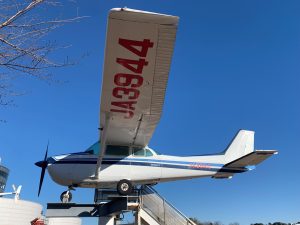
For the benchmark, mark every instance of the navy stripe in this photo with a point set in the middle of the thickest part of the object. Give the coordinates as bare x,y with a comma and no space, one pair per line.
143,160
127,162
233,170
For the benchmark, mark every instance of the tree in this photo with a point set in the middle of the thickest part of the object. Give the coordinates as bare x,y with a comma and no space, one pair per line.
23,47
197,222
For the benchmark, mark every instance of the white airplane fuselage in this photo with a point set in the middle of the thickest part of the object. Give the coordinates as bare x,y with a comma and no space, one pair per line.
78,169
141,165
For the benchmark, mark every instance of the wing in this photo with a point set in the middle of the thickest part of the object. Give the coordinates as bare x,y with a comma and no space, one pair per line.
139,48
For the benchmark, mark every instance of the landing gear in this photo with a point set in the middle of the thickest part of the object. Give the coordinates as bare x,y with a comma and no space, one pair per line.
66,196
124,187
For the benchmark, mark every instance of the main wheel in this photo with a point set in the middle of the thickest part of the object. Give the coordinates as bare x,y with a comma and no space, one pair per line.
124,187
66,197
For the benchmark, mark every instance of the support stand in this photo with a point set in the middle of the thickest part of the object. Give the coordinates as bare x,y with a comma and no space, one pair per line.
149,208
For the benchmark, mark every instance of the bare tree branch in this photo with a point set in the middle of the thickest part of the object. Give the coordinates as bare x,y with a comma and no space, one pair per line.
21,12
23,48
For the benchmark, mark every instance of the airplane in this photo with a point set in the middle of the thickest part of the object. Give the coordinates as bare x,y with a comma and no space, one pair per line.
16,192
139,48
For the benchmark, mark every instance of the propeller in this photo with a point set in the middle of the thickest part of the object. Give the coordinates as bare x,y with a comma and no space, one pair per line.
43,164
17,191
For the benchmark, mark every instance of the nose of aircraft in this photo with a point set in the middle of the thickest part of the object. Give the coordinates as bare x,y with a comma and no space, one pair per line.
41,164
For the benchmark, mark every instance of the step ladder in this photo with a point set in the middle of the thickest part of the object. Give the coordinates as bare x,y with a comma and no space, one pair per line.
156,210
148,206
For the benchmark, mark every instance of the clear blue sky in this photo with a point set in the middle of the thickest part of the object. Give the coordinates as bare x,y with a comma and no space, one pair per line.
236,65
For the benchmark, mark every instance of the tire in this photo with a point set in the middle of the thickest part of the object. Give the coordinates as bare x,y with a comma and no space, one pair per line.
124,187
63,198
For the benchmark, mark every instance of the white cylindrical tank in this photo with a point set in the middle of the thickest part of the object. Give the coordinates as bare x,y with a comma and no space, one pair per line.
64,221
18,212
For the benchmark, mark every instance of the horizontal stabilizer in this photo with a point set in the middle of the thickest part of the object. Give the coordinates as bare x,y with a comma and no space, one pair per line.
240,155
252,158
223,176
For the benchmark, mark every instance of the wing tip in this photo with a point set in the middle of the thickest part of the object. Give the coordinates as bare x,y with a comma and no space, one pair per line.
266,152
140,15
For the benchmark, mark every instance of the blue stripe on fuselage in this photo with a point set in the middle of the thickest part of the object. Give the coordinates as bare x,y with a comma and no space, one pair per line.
154,162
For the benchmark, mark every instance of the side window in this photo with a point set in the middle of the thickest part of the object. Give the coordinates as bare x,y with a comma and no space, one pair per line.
148,153
138,151
117,150
94,149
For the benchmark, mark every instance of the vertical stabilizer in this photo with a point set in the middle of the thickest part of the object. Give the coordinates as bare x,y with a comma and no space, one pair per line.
241,145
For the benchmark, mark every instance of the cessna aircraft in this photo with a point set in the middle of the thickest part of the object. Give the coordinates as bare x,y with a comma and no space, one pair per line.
139,48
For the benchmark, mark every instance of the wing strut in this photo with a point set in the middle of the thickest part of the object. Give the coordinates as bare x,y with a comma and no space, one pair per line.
102,150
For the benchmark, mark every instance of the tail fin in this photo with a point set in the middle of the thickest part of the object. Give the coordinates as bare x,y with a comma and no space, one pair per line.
240,155
241,145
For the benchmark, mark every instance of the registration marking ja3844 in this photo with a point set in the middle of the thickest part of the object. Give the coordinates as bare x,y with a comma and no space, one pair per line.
127,85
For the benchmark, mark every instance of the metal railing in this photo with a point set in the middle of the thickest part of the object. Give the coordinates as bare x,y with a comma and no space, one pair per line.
160,209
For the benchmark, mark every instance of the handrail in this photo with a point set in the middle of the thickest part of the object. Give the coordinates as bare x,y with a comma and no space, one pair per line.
170,213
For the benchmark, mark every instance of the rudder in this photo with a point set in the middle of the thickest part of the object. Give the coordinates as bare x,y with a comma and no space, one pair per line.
241,145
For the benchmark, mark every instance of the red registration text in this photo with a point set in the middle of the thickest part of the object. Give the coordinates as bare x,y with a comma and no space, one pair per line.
127,85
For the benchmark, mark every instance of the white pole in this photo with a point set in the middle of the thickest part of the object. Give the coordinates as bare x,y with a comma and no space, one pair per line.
138,217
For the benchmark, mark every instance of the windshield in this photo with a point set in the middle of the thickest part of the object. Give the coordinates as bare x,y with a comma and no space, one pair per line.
143,152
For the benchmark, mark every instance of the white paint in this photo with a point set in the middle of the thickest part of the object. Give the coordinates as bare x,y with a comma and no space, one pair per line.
18,212
64,221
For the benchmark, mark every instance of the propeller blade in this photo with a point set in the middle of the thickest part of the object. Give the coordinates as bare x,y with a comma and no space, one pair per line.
19,189
43,164
41,180
46,155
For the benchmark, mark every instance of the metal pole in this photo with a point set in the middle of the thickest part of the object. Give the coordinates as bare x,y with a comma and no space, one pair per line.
164,212
137,217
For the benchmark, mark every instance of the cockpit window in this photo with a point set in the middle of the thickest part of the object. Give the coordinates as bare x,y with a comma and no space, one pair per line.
94,149
138,151
114,150
142,152
117,150
148,153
